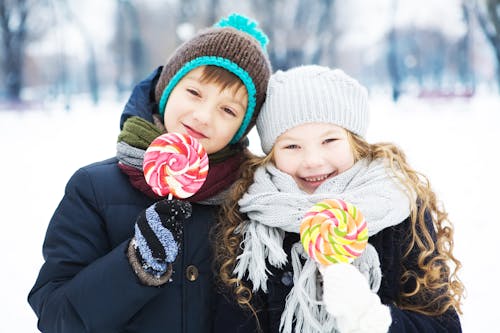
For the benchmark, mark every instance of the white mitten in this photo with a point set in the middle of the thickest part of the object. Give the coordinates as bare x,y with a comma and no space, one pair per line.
348,298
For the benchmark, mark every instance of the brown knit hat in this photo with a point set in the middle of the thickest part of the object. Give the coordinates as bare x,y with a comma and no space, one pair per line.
235,44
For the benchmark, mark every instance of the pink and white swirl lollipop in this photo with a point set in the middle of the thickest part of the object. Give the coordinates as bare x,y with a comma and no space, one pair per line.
175,164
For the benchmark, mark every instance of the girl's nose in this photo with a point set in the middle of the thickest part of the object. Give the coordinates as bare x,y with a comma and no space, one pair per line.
313,158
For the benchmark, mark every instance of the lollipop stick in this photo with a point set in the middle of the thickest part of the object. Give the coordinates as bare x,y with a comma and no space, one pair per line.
170,196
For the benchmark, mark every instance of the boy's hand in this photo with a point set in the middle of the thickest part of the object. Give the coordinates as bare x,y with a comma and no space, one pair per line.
172,213
158,233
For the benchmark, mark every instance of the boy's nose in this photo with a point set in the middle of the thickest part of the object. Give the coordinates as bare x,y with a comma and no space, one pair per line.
203,113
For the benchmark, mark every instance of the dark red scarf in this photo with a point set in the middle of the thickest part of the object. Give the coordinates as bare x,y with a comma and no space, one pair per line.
223,166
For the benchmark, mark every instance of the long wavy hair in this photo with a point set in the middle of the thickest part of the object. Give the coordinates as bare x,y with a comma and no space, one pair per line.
437,287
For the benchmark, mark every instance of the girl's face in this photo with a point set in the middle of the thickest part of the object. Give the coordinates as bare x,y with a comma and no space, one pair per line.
312,153
205,111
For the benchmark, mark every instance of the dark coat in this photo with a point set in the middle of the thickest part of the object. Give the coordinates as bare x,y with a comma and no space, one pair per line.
87,284
390,244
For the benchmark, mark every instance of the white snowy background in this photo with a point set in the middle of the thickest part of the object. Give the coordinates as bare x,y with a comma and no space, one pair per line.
453,142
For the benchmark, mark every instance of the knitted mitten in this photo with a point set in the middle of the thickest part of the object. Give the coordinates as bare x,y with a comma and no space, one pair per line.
158,234
347,296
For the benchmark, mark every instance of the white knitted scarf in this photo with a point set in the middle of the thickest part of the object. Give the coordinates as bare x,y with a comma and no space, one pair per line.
274,205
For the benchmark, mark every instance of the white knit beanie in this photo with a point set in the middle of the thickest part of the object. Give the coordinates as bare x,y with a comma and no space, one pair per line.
311,94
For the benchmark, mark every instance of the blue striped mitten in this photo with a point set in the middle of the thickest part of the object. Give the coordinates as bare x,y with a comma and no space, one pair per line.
158,234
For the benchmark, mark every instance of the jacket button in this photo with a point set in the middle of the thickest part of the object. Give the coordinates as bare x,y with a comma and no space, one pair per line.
287,279
192,273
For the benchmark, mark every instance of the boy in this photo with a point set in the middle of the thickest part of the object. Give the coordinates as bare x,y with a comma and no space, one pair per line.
99,275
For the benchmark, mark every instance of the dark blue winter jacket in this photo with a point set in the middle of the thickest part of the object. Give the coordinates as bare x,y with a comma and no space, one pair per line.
390,244
87,284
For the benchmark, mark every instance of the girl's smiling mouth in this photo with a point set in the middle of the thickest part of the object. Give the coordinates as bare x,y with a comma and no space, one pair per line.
318,178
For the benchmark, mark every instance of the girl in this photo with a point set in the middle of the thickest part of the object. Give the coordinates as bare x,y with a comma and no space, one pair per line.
312,129
112,242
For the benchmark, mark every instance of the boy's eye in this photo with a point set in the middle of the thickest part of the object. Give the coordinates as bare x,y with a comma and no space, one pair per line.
193,92
291,146
229,111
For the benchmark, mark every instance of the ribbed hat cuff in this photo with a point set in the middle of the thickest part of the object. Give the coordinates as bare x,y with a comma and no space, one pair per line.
226,64
312,94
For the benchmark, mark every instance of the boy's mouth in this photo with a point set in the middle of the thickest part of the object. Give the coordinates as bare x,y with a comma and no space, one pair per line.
194,133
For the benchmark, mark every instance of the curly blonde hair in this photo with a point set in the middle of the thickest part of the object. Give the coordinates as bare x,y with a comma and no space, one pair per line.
437,287
226,238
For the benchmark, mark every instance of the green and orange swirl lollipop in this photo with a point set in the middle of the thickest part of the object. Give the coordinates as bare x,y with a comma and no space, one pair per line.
333,231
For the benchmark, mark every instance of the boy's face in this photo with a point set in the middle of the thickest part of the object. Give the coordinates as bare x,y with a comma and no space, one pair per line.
312,153
204,111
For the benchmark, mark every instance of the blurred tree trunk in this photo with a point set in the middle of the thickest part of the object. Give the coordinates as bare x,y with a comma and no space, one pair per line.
266,11
119,49
187,13
213,9
13,18
299,33
392,57
92,61
465,61
490,24
136,45
325,33
131,48
392,64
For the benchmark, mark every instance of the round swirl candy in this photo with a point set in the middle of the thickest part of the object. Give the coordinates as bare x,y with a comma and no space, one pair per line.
175,164
333,231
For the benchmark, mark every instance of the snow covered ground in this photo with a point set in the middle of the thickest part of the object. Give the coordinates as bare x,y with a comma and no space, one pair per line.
454,142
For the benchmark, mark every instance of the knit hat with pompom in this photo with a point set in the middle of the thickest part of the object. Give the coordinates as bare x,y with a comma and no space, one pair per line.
234,43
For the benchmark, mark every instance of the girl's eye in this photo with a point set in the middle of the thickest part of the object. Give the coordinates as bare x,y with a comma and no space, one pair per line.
329,140
229,111
291,147
193,92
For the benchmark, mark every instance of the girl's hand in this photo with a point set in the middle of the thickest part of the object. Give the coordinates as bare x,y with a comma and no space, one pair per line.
348,298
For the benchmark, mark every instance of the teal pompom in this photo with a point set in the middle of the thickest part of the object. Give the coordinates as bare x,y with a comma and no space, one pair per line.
243,23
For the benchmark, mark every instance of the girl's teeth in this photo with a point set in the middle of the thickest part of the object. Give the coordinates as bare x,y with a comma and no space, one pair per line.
316,179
